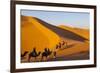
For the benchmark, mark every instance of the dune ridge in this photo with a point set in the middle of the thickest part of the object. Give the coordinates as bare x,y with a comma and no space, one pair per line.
62,32
82,32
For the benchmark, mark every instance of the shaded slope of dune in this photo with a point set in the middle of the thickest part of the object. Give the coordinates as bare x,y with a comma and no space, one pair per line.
62,32
34,34
80,31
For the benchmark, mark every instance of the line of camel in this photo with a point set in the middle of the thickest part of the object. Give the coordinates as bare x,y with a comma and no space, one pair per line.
45,54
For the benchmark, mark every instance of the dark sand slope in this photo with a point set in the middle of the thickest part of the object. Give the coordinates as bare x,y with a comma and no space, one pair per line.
61,32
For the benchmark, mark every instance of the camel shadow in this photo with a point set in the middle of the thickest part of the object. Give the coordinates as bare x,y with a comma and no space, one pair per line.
69,46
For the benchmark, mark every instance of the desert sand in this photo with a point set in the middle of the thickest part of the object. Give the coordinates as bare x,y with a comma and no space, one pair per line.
39,34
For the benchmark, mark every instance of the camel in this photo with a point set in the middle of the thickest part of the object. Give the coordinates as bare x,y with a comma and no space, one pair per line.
63,43
24,54
60,45
54,54
46,53
57,46
33,54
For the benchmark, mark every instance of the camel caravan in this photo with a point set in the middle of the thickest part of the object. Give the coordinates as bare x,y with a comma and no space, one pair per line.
45,54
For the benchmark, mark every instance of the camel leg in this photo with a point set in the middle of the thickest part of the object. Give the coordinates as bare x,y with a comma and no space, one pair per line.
54,54
46,58
35,59
29,58
42,58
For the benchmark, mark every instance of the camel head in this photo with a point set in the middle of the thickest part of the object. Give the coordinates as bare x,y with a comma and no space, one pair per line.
39,53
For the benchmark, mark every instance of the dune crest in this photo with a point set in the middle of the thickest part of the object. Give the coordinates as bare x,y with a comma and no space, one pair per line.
82,32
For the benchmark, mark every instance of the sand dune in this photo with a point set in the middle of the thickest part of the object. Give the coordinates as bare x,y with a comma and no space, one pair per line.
62,32
33,34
